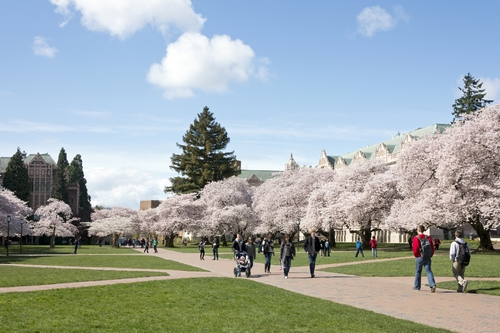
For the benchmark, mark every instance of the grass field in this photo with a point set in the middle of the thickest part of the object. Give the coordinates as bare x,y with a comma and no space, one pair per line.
67,249
13,276
482,265
189,305
117,261
475,286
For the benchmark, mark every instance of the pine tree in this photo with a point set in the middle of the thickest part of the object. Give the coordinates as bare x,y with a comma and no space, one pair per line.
472,99
16,176
203,159
61,187
76,175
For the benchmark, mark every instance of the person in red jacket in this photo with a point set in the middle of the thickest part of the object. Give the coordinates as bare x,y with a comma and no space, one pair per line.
373,245
423,250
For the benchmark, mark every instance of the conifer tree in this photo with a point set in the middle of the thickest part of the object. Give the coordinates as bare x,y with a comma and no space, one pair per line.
472,99
16,176
203,158
61,187
76,175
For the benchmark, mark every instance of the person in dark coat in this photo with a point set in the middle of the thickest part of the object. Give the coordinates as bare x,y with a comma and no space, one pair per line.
238,244
215,248
312,247
287,253
268,251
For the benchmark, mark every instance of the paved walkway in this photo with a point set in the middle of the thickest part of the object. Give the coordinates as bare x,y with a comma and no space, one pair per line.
390,296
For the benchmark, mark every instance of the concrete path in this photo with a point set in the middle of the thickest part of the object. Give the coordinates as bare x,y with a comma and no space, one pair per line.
390,296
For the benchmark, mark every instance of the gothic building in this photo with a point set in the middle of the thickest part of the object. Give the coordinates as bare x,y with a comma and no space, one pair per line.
42,175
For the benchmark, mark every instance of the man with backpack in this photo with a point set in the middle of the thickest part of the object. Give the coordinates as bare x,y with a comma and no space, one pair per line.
423,250
460,258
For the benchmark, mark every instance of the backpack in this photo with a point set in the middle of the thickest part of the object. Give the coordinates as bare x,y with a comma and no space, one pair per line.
463,255
425,248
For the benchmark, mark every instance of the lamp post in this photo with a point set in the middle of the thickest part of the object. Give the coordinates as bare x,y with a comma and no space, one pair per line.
298,234
21,244
8,233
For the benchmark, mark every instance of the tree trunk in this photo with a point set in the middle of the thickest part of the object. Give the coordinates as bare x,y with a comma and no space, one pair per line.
53,238
365,234
169,240
224,240
116,238
484,235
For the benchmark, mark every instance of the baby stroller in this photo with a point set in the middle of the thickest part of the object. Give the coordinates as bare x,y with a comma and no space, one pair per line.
242,264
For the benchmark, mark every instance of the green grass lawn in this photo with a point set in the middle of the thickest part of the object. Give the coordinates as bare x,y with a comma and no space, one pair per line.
482,265
117,261
188,305
67,249
475,287
13,276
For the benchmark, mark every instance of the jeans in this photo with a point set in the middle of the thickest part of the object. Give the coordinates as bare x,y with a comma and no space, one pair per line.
202,254
154,247
268,256
216,253
312,262
426,263
374,251
287,262
250,258
358,251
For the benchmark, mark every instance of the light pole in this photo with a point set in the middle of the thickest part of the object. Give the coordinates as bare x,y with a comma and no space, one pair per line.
8,233
21,244
298,234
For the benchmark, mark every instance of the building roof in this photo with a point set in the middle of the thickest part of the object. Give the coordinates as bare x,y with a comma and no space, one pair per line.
4,161
263,175
393,145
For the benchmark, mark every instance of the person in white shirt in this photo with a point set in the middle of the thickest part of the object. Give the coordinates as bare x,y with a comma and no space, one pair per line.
457,268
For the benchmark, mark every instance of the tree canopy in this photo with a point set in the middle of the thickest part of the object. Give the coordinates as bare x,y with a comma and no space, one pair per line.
76,175
16,176
203,159
472,99
61,187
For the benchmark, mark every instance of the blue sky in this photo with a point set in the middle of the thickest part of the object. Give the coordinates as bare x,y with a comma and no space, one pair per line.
120,83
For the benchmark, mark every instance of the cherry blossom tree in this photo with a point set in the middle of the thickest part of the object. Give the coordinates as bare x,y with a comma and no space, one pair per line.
228,207
177,213
115,221
359,198
281,202
469,173
54,220
18,210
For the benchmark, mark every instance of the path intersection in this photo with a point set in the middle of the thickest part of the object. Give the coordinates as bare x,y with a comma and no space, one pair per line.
392,296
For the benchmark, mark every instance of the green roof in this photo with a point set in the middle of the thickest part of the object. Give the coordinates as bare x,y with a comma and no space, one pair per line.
263,175
4,161
393,145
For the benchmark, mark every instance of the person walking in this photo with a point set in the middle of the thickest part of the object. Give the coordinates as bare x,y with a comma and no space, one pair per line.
423,250
268,251
373,245
437,242
215,248
155,244
311,246
359,248
327,247
251,251
459,256
258,243
287,253
322,247
146,246
75,246
201,247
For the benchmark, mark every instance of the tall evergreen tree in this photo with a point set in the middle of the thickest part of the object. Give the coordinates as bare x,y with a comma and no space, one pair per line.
16,176
472,99
76,175
203,159
61,188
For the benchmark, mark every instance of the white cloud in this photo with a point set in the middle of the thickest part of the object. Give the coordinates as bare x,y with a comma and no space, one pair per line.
123,18
492,88
42,48
374,19
195,62
123,187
